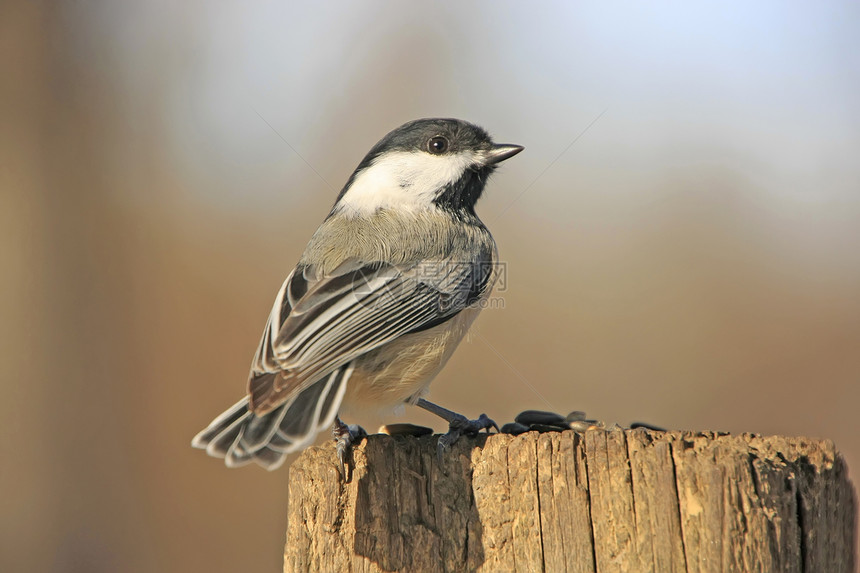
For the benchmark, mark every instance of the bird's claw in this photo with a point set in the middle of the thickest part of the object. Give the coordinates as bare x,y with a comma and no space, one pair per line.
459,426
345,436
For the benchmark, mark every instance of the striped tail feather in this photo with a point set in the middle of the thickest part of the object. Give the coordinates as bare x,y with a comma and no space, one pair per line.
239,436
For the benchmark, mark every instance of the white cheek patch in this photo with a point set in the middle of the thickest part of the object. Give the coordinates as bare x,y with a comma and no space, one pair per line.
404,180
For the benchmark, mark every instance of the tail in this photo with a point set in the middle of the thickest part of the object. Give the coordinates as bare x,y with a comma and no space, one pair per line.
239,436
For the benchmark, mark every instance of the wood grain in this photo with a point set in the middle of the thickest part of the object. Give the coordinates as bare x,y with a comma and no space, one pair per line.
604,501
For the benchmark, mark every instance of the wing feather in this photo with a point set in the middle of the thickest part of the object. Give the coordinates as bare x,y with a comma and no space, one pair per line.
320,323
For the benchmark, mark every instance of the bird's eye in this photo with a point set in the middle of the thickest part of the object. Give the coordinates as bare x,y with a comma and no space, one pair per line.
437,145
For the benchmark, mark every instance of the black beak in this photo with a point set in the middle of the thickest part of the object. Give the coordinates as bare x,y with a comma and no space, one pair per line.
500,152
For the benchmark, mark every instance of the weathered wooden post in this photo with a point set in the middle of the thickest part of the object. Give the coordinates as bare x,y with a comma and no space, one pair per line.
602,501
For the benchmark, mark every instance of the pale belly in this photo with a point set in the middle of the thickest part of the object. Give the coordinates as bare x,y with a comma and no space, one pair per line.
402,370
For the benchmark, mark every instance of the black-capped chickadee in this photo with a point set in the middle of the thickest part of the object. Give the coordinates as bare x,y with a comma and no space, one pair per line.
384,292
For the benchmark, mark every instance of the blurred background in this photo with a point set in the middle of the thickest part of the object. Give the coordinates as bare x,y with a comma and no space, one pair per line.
682,234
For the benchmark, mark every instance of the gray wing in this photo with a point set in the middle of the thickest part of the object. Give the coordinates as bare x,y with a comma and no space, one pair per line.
320,323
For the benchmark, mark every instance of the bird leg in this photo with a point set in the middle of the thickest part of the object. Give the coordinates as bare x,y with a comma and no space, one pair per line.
458,425
344,437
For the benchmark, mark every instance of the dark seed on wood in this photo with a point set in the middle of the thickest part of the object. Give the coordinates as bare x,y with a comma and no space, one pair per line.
514,428
530,417
647,426
575,416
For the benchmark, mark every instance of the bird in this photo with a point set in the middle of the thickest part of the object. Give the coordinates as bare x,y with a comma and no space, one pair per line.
387,287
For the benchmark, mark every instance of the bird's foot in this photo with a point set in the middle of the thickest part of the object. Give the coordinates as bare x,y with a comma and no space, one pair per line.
345,436
460,425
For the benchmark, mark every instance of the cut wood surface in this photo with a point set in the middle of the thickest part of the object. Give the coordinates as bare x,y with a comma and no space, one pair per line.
617,500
